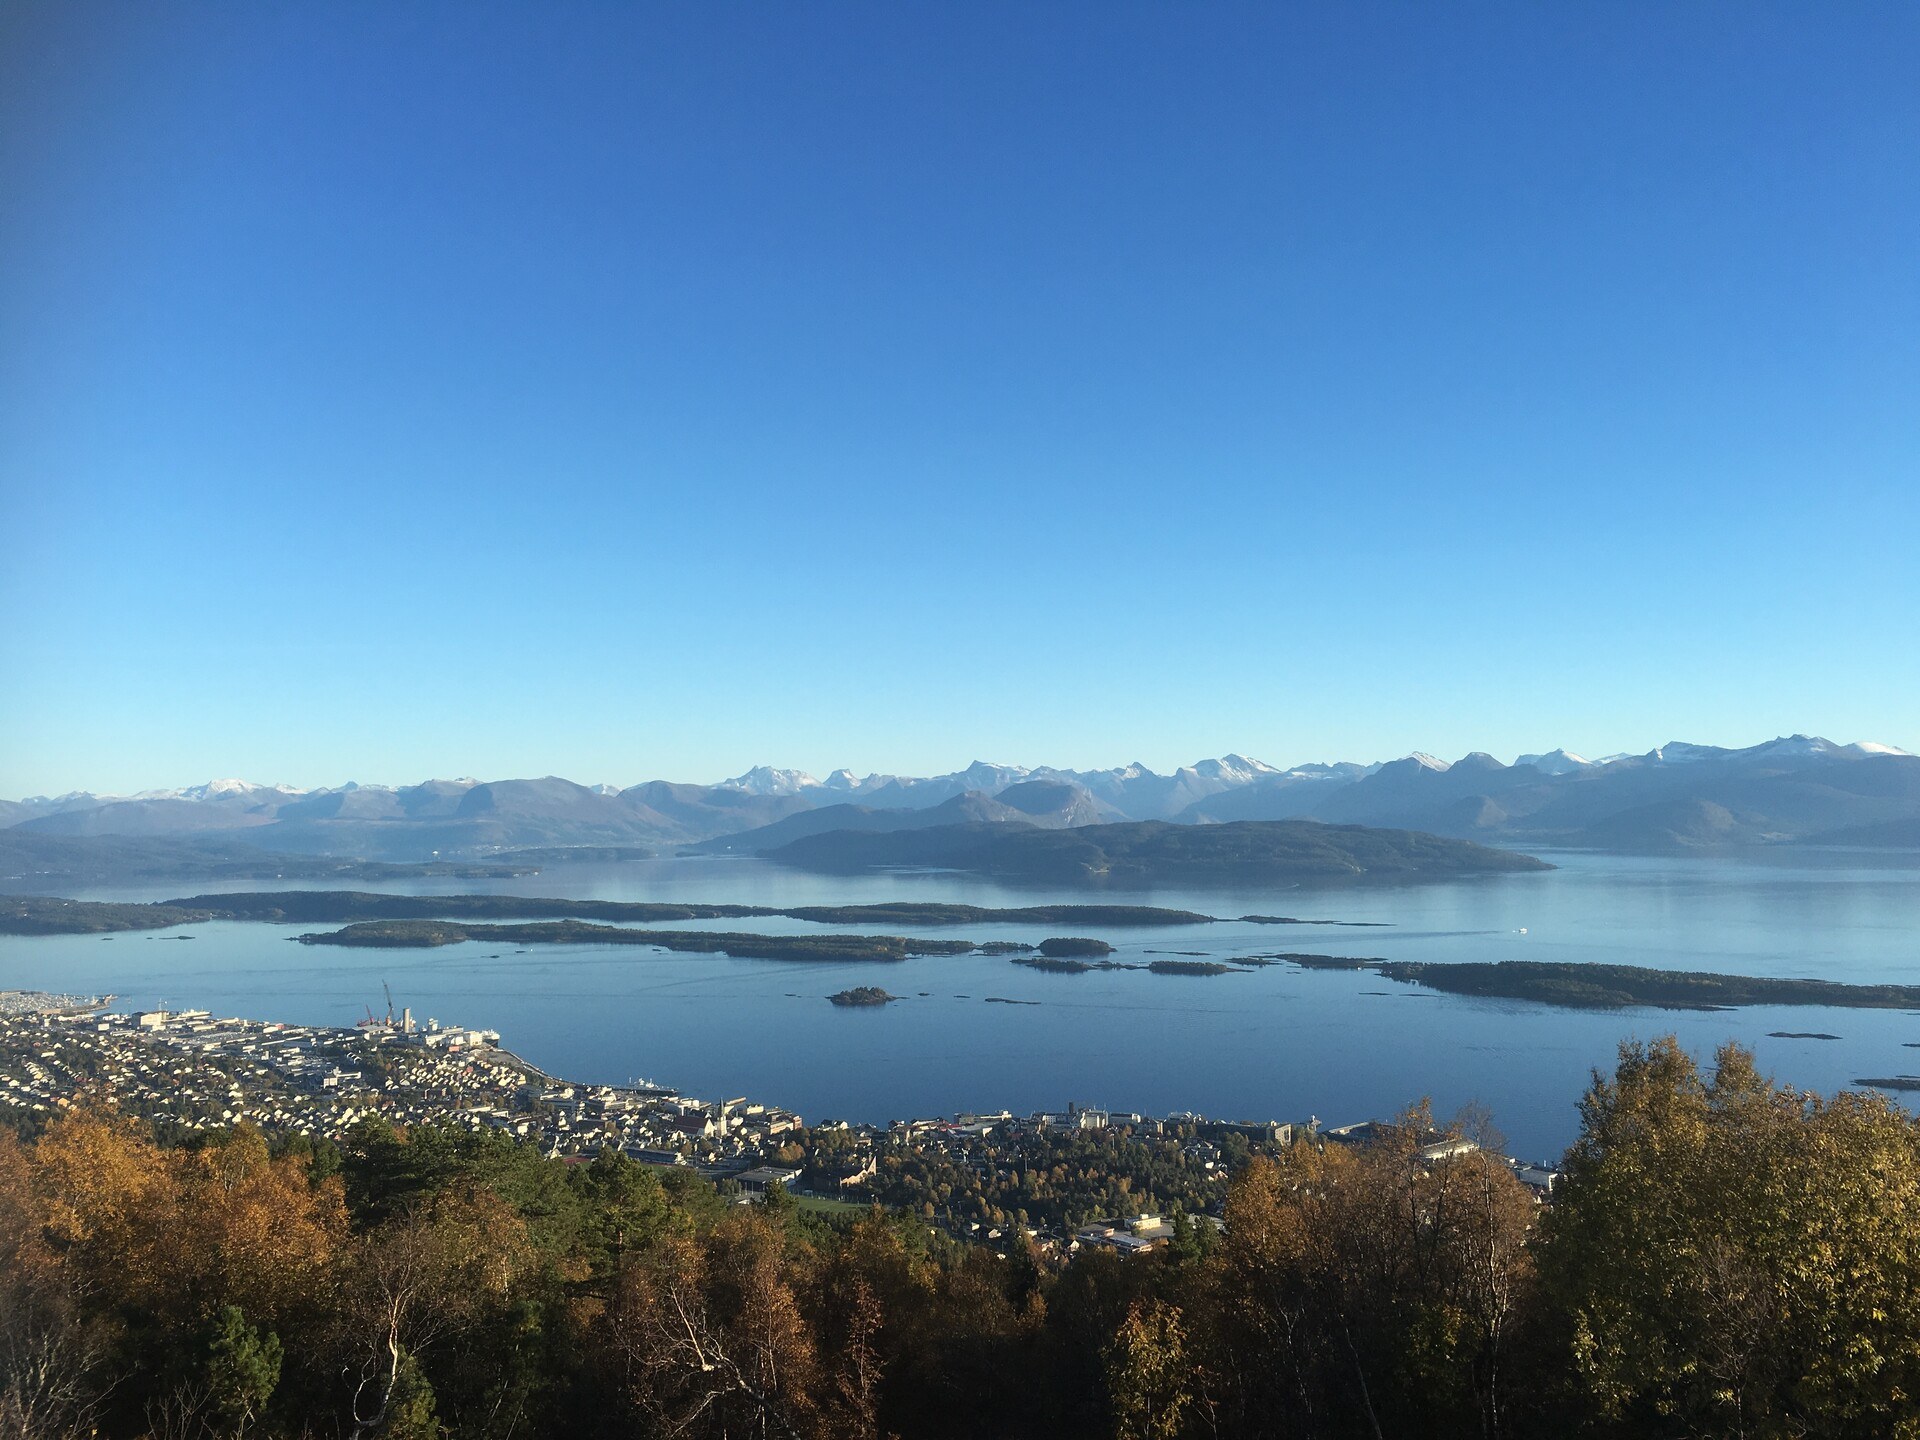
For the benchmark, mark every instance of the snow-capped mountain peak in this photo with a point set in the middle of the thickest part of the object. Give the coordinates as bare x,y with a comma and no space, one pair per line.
218,789
1798,747
988,772
1428,762
766,780
1874,747
1233,769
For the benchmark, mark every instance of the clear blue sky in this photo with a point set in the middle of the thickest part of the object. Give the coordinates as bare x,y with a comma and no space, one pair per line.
630,391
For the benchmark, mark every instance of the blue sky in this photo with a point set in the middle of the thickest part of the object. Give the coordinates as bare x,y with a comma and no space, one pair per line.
624,392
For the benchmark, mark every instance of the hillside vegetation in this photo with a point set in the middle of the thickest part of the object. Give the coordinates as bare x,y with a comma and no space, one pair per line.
1724,1257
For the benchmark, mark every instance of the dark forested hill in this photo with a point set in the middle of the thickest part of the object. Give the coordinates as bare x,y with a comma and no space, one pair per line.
1154,851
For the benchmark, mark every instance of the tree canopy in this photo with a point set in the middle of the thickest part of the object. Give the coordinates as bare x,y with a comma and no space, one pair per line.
1724,1257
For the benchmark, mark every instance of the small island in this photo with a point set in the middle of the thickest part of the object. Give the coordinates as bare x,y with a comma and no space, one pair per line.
1060,965
1062,947
1067,965
862,996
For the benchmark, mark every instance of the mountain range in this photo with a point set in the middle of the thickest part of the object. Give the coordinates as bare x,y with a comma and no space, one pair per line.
1797,789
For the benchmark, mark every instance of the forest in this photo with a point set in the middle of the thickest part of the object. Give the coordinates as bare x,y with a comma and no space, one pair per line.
1723,1257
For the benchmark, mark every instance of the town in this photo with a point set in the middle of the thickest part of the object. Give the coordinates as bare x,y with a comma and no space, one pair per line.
1054,1183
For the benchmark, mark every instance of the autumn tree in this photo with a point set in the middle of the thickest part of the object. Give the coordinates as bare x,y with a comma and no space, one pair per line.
48,1354
1370,1289
862,1299
1149,1374
413,1281
256,1233
1738,1258
710,1336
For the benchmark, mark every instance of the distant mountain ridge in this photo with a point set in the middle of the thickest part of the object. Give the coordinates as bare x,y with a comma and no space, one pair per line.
1045,804
1797,789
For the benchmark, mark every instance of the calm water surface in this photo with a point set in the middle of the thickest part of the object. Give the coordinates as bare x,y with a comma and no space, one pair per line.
1276,1042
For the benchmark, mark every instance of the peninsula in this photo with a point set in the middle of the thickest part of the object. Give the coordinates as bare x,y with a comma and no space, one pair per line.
1583,986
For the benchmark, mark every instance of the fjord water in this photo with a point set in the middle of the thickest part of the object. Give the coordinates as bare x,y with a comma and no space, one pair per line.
1276,1042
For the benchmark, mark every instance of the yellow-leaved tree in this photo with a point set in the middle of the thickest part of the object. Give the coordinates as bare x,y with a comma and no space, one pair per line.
1732,1257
